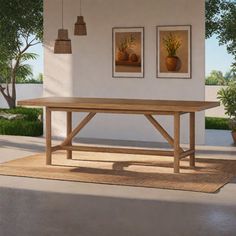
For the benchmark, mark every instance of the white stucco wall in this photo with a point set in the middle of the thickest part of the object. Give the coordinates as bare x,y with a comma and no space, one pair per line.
88,71
24,91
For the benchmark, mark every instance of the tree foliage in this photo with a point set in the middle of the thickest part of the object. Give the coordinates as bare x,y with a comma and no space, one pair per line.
21,27
215,78
18,21
221,21
218,78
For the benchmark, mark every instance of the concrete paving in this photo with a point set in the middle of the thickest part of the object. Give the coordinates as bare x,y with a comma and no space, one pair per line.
47,207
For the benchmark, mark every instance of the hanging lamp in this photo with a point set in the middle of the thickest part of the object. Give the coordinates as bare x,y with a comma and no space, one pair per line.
80,25
62,43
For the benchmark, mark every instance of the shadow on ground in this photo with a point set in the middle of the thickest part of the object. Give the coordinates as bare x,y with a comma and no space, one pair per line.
26,212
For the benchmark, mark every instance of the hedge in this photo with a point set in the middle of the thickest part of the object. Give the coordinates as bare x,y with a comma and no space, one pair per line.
30,125
30,114
217,123
21,128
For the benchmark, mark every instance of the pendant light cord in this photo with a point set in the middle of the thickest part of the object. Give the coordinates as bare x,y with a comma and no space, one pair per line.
80,8
62,14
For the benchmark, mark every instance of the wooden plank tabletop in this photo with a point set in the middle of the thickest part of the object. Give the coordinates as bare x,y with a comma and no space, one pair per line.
119,104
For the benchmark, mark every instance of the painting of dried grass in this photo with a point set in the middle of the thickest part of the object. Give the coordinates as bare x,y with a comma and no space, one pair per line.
174,52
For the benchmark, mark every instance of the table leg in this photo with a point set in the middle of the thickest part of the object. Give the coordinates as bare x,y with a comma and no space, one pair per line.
176,142
48,137
192,138
69,129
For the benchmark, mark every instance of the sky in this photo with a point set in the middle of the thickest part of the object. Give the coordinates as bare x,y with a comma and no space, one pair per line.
217,57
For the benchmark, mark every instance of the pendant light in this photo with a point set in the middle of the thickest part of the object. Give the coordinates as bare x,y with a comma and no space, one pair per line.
80,25
62,43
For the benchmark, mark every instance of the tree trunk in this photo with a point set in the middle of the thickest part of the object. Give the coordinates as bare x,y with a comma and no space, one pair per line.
11,102
12,99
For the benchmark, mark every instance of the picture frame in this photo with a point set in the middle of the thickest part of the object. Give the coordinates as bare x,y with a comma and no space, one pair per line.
174,51
128,52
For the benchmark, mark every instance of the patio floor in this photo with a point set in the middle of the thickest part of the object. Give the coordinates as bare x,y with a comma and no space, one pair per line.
46,207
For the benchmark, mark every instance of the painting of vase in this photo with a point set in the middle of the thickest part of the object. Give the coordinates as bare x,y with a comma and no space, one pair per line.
128,52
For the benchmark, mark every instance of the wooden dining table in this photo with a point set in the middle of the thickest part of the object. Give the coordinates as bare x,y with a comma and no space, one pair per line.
148,108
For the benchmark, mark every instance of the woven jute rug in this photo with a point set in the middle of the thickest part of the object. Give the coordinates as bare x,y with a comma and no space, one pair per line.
124,169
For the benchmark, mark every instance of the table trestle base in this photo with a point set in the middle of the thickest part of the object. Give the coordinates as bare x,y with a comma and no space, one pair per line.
178,153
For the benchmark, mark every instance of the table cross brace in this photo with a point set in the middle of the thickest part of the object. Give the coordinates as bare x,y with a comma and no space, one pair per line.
162,131
79,127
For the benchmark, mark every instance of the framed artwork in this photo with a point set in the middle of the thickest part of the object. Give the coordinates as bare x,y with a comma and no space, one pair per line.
174,52
128,52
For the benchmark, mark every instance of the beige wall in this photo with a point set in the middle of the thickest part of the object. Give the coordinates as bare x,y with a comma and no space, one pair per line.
211,95
87,72
24,91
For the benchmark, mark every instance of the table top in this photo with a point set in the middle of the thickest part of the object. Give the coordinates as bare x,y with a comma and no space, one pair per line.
119,104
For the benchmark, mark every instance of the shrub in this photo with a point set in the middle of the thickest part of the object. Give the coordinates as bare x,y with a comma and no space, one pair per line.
227,97
217,123
21,127
30,114
30,125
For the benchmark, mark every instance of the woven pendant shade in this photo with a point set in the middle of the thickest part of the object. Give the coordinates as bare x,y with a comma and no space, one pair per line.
62,43
80,26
